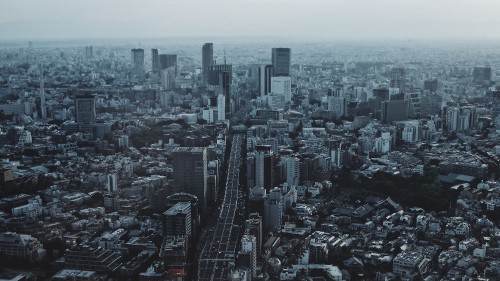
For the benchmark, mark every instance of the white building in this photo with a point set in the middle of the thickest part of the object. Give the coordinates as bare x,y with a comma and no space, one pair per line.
25,138
221,107
292,170
31,210
337,105
282,85
411,132
249,245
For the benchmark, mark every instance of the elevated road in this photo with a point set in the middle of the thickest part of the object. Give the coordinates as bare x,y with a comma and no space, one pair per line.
219,252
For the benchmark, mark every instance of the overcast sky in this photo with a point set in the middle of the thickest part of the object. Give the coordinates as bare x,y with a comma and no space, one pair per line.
322,19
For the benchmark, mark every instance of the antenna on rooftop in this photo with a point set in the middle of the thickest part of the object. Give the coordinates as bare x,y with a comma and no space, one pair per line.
224,57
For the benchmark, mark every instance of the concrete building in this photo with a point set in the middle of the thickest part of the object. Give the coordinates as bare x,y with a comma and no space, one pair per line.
155,61
89,52
398,79
137,62
266,72
249,249
282,85
410,264
264,166
190,172
281,60
167,61
394,110
20,246
273,209
177,220
111,183
207,59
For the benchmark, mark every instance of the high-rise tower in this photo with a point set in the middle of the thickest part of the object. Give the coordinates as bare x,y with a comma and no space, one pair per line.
42,96
265,74
207,59
89,52
138,62
225,90
281,59
190,172
264,166
398,79
155,61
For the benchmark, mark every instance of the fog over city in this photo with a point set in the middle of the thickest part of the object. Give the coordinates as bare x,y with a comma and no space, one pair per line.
317,19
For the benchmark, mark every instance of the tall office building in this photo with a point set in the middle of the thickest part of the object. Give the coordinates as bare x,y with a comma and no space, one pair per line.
254,227
190,172
281,60
337,104
214,71
221,107
273,210
167,60
282,85
155,61
89,52
394,110
175,198
207,59
137,62
111,183
264,166
398,79
85,112
292,170
225,90
248,248
167,78
177,220
43,107
265,74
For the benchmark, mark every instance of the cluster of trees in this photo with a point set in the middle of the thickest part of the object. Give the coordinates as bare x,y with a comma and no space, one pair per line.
421,191
153,134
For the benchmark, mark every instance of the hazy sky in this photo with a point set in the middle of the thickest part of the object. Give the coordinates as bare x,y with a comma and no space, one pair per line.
322,19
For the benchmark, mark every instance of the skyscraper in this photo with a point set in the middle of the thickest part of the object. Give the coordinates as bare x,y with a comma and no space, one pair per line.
85,112
190,172
111,183
89,52
273,210
266,72
248,247
155,61
254,227
225,90
337,104
213,73
168,60
138,62
264,166
43,107
394,110
398,79
207,59
281,59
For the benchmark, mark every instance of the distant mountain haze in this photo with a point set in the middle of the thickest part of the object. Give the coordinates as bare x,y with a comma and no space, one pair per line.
327,19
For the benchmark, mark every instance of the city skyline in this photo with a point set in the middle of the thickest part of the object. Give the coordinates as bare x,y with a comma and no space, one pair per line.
318,19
